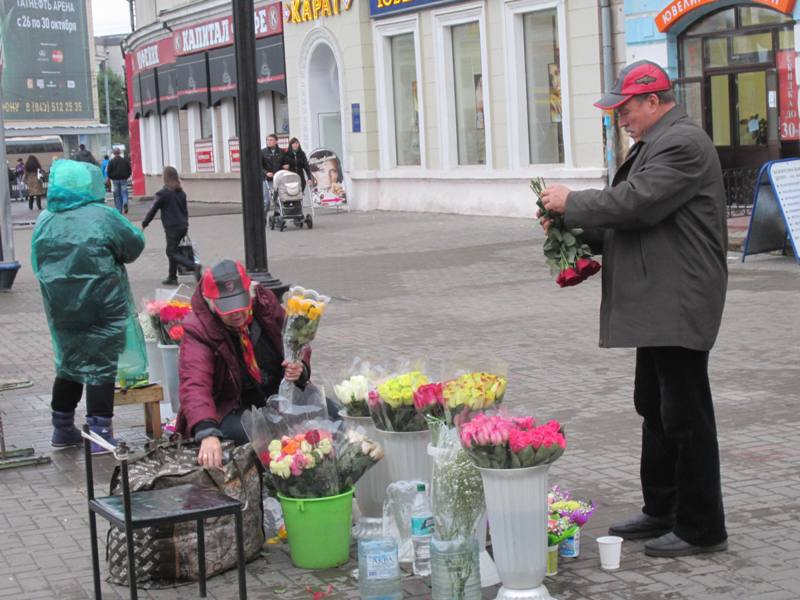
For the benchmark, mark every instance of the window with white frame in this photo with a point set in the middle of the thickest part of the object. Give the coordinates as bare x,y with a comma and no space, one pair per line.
400,103
280,107
206,129
543,83
462,80
468,79
405,99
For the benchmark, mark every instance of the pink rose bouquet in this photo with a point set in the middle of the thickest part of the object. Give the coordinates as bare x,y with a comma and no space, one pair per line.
497,442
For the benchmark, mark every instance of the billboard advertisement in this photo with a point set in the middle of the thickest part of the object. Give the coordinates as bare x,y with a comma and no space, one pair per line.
44,57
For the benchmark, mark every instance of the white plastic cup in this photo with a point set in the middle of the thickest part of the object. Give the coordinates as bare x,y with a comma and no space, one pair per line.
610,552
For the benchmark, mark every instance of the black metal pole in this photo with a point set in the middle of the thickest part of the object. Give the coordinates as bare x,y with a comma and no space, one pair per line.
255,233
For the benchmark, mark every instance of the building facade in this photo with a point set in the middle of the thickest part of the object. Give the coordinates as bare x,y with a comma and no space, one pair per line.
181,77
446,105
735,67
419,105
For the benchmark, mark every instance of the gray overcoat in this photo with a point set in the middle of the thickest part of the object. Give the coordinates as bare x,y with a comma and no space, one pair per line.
664,242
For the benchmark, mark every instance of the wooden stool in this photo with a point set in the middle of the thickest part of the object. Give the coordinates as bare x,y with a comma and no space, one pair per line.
151,397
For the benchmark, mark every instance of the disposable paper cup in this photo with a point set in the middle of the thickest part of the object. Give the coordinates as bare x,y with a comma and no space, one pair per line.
610,551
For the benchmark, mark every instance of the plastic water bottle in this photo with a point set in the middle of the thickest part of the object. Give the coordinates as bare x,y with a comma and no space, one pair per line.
421,532
379,570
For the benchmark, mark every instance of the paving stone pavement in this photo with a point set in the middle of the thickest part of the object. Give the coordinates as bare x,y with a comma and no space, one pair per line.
409,285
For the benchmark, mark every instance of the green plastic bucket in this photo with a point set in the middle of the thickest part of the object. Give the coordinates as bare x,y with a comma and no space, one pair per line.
318,529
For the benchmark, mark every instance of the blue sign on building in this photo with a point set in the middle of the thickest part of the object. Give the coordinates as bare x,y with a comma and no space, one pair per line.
380,8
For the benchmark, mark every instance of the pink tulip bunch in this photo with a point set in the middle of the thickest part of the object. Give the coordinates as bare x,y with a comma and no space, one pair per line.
496,442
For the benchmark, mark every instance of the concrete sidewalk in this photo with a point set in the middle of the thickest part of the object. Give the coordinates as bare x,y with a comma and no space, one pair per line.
410,285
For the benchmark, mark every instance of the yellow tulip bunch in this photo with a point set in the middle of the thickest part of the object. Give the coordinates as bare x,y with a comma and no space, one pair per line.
306,307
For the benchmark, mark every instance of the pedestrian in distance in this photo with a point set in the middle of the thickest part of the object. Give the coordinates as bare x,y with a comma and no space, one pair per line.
273,159
170,201
34,181
19,176
118,172
664,244
79,251
104,166
298,162
84,155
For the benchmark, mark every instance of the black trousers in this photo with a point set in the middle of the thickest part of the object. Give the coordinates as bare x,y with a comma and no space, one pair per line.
99,398
38,200
173,254
680,469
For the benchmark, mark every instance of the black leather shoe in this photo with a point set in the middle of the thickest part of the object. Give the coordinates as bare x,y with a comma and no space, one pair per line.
169,281
670,546
642,526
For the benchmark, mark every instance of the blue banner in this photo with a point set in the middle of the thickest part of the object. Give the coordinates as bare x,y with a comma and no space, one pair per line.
380,8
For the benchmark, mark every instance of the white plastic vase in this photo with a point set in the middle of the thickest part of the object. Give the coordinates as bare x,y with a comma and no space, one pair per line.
516,501
371,488
406,455
170,380
155,367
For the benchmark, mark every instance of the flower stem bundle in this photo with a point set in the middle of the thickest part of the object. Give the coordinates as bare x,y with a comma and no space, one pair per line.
570,259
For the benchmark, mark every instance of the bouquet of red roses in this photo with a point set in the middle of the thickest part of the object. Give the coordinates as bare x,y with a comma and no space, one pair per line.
566,253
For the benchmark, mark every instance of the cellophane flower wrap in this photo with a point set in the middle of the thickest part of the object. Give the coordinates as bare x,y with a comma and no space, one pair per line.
458,505
391,403
578,512
570,259
559,528
357,454
166,319
304,309
501,442
315,459
352,390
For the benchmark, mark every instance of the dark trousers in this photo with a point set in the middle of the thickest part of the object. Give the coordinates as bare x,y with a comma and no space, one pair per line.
173,254
99,398
38,200
680,457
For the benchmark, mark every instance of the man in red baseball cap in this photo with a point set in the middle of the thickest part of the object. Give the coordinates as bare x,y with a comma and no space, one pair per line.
661,227
231,358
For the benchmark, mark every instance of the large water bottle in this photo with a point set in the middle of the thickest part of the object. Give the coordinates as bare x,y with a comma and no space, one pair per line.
421,532
379,569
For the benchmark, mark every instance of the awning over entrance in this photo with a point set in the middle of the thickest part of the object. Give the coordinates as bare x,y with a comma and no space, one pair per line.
222,73
148,91
167,87
270,65
192,79
678,9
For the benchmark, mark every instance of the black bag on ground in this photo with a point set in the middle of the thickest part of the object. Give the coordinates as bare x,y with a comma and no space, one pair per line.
167,555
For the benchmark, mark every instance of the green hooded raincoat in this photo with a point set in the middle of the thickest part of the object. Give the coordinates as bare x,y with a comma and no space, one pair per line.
80,247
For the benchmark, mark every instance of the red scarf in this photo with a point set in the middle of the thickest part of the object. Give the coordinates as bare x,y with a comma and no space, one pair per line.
248,350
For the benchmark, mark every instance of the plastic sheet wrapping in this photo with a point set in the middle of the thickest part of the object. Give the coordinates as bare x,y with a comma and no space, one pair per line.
79,251
397,509
391,403
353,385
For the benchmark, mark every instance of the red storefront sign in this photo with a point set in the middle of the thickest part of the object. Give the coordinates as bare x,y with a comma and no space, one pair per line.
236,158
788,120
678,9
219,32
204,156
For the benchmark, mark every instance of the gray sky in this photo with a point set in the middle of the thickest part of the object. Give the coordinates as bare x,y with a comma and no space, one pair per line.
110,17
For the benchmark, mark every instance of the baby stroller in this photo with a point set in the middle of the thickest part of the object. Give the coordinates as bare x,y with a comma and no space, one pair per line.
288,202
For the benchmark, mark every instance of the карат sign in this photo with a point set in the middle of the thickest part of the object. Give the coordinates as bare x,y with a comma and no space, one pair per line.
776,209
44,60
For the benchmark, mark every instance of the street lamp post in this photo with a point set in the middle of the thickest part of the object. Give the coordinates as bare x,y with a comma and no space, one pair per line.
255,234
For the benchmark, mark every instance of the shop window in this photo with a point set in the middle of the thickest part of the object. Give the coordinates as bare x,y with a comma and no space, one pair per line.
280,108
543,76
469,97
754,48
206,122
406,103
720,21
752,15
717,52
692,57
751,89
690,96
720,111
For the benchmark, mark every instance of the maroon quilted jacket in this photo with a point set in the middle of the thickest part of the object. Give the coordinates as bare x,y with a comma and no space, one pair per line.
210,371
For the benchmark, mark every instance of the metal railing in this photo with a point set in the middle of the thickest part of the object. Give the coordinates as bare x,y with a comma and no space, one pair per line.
740,184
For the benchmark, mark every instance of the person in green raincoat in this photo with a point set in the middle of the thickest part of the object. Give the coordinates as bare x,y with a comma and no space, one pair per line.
79,250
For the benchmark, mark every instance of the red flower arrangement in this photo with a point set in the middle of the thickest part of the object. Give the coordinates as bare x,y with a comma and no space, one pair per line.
566,253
